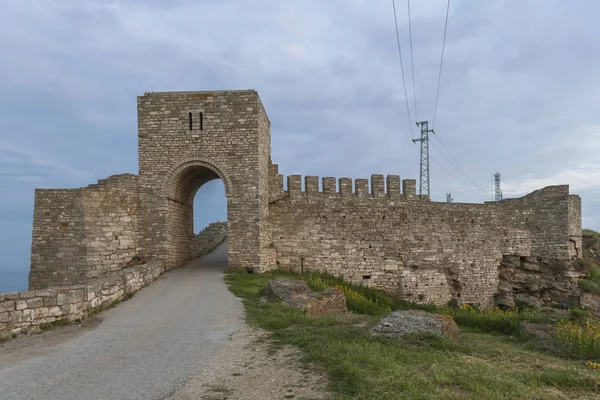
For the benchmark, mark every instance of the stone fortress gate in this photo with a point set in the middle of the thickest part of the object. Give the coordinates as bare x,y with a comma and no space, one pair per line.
378,232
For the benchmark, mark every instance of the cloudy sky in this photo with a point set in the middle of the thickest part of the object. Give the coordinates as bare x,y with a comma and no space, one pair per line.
520,91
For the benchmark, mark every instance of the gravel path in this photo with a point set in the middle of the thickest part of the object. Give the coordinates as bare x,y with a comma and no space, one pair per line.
248,368
146,348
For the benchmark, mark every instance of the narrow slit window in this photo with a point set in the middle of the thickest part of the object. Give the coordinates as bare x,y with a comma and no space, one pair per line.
201,122
190,117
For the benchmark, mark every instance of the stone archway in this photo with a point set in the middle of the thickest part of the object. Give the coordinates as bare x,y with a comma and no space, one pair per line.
179,188
186,139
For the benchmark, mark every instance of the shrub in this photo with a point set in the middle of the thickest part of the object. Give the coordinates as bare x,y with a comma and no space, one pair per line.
577,313
359,299
593,365
494,319
592,283
589,286
583,338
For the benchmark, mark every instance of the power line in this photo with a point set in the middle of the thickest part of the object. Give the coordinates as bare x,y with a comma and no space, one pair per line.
446,157
412,60
441,64
402,68
457,167
424,181
449,174
463,185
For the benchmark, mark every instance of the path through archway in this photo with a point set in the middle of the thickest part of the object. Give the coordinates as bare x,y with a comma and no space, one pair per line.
180,195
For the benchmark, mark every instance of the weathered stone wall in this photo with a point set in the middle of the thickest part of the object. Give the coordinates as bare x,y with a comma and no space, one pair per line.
25,312
416,249
58,247
110,220
86,233
575,229
209,238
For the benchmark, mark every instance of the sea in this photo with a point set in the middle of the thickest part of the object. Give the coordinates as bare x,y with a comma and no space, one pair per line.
14,281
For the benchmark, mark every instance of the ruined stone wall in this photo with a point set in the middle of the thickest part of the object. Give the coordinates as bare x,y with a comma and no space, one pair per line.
110,220
209,238
58,247
415,249
82,234
27,312
575,228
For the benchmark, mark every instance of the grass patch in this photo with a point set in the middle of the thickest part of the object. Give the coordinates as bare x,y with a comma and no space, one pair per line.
368,301
591,232
475,366
494,320
589,286
51,325
592,283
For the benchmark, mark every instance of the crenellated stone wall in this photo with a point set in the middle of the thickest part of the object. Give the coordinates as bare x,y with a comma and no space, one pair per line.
423,251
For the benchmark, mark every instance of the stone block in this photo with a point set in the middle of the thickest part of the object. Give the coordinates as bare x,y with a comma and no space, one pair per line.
361,187
329,185
7,305
35,302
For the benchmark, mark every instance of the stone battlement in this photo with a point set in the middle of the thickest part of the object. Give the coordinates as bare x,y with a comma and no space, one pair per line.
377,187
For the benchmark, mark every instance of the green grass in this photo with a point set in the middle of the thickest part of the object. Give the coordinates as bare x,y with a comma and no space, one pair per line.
373,302
475,366
589,262
592,283
495,320
591,232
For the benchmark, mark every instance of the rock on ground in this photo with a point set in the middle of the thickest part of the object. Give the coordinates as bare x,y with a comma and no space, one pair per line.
590,302
247,368
542,331
297,294
283,289
403,323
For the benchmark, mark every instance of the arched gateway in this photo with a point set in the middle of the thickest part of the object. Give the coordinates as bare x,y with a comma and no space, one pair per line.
187,139
376,232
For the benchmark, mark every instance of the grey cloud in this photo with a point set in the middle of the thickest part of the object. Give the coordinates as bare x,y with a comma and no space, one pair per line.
518,95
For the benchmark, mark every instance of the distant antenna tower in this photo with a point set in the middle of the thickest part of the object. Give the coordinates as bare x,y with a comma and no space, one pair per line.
498,195
424,173
449,198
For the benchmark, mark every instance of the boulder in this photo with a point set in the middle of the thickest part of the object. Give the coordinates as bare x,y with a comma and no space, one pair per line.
590,302
542,331
403,323
297,294
282,289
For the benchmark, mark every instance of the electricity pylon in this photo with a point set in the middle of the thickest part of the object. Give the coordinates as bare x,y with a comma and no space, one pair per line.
424,173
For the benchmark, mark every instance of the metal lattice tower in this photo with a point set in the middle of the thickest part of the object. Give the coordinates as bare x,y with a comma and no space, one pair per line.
424,173
498,194
449,198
